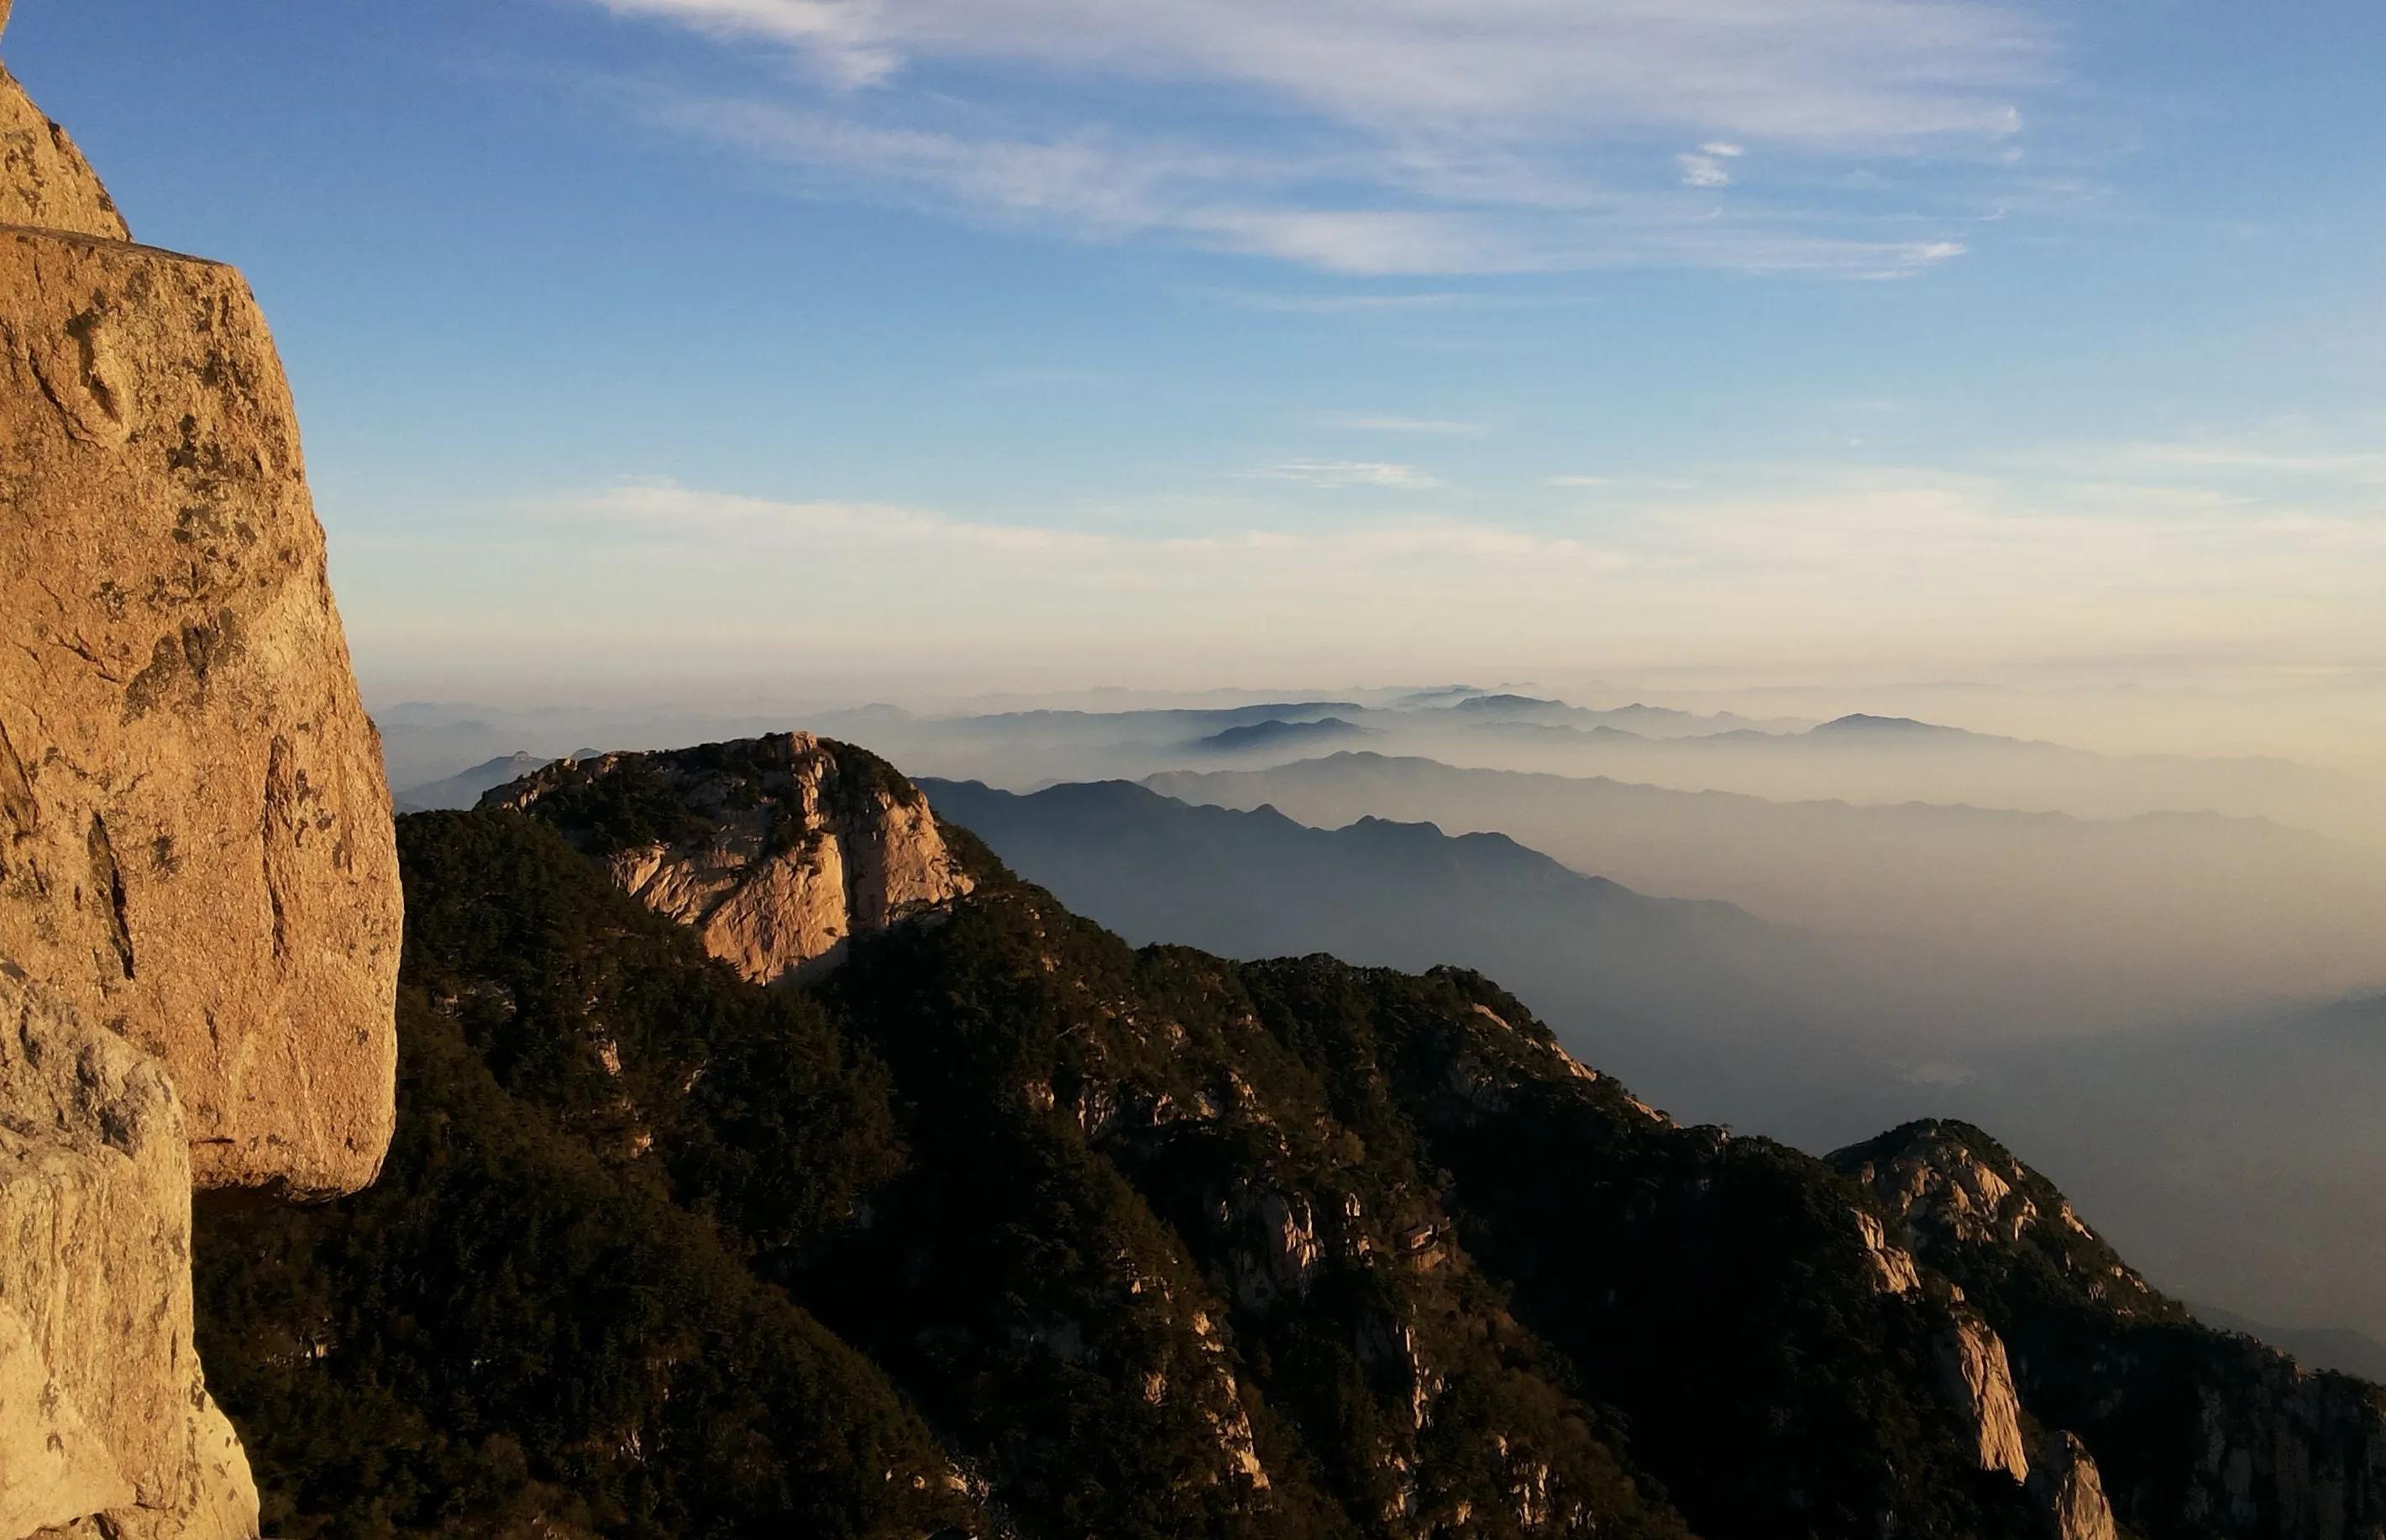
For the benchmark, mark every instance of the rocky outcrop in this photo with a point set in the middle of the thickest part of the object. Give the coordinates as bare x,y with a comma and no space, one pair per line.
1893,1269
102,1410
1954,1190
1279,1249
2195,1432
2067,1484
1973,1361
777,851
44,182
199,907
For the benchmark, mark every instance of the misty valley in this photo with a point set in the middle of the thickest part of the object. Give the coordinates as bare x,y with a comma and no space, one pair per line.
747,897
2163,978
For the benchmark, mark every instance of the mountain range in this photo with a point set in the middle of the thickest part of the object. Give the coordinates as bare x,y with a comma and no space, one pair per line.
1721,1016
1002,1227
2047,921
1697,1003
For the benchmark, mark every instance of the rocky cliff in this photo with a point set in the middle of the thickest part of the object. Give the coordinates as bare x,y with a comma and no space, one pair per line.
777,851
199,911
2186,1431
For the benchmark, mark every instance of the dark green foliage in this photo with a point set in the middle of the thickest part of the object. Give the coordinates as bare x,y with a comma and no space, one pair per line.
507,1335
616,804
620,802
1713,1289
752,1099
1116,1223
1016,1002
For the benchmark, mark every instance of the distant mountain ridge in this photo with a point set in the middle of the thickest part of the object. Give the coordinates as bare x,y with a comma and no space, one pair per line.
2041,911
1005,1227
1683,997
1277,734
467,786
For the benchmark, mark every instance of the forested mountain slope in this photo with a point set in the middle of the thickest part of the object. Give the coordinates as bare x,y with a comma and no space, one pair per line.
1005,1226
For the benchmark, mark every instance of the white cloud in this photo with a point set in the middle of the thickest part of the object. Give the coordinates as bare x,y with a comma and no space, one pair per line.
1702,170
1833,72
1405,137
1437,426
1574,482
1350,473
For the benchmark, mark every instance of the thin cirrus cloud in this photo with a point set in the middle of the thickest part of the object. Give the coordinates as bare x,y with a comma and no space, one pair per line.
1409,137
1439,427
1336,474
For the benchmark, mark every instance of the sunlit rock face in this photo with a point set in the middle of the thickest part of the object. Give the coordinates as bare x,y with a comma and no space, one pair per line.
1981,1380
44,182
2068,1482
199,906
2187,1425
777,851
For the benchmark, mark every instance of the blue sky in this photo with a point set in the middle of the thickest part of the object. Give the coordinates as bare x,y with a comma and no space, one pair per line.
1058,342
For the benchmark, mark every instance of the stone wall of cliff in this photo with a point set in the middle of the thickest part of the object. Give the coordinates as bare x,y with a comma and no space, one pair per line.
199,908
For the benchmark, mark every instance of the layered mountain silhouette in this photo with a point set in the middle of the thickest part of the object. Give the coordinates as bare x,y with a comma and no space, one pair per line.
1699,1004
1877,758
468,786
2044,920
1276,735
1003,1227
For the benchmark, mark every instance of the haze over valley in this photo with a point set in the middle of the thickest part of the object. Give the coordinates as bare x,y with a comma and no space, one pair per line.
1063,769
2154,963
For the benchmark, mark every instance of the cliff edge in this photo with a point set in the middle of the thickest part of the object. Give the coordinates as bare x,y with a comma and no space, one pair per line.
199,906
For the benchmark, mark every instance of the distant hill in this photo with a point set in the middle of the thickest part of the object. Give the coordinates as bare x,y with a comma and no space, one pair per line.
1648,722
464,788
2081,921
1278,735
1700,1004
1873,758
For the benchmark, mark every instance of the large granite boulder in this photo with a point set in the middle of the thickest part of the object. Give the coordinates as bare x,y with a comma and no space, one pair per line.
199,906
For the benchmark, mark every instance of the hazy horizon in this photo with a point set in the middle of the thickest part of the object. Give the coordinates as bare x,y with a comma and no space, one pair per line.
856,351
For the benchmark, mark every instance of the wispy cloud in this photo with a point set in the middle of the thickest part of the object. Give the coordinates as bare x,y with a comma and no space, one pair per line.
1869,73
1350,473
1432,426
1366,304
1702,170
2363,467
1414,137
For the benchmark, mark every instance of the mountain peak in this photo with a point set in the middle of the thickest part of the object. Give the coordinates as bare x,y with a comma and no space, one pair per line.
1858,722
778,851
